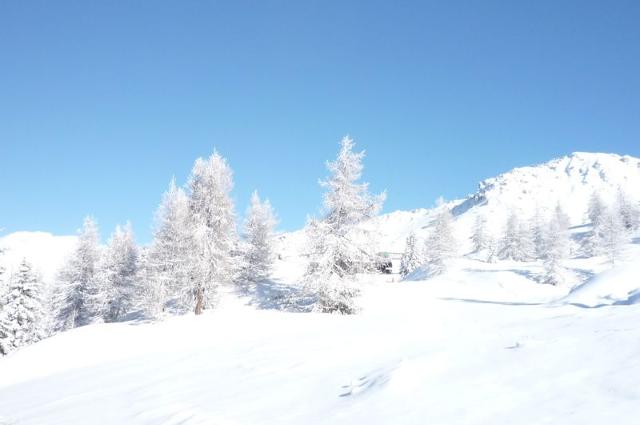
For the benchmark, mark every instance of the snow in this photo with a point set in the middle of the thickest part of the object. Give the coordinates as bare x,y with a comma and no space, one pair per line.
480,344
620,285
46,251
467,347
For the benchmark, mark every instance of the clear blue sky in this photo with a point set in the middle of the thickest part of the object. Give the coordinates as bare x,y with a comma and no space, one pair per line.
101,102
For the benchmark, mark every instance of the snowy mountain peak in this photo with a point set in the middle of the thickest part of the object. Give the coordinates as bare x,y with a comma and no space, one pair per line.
569,181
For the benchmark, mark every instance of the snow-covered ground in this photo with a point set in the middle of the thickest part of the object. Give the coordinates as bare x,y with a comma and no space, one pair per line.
477,346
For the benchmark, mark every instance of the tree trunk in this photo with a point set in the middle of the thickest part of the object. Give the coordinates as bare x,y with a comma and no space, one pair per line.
199,300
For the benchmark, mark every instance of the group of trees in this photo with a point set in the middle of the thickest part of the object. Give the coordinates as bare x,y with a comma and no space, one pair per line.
610,225
536,238
439,246
195,251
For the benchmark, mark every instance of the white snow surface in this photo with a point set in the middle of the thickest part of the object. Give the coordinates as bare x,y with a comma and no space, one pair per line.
459,349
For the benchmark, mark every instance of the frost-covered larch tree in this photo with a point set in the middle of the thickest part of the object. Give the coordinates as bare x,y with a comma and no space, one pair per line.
517,242
591,244
169,261
479,237
258,254
538,233
556,247
21,317
611,234
338,247
440,244
213,225
596,208
117,275
629,212
77,291
411,258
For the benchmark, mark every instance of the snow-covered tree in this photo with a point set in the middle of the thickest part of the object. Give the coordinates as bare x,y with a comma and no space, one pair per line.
2,287
21,315
169,261
629,212
411,258
556,246
440,245
538,229
338,247
117,274
258,235
517,243
595,208
78,293
479,237
213,224
611,234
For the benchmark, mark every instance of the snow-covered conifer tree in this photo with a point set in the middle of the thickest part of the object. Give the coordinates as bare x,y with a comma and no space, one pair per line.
338,247
629,212
595,208
170,259
117,275
479,238
258,234
556,246
411,257
440,245
517,242
21,315
611,234
77,288
213,224
538,230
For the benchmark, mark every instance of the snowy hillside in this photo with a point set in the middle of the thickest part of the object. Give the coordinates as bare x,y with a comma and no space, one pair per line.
446,352
46,251
569,180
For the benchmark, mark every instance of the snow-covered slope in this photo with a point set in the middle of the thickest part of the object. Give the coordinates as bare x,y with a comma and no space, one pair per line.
44,250
420,352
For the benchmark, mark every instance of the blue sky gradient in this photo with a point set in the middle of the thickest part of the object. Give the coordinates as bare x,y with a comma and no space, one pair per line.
101,103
